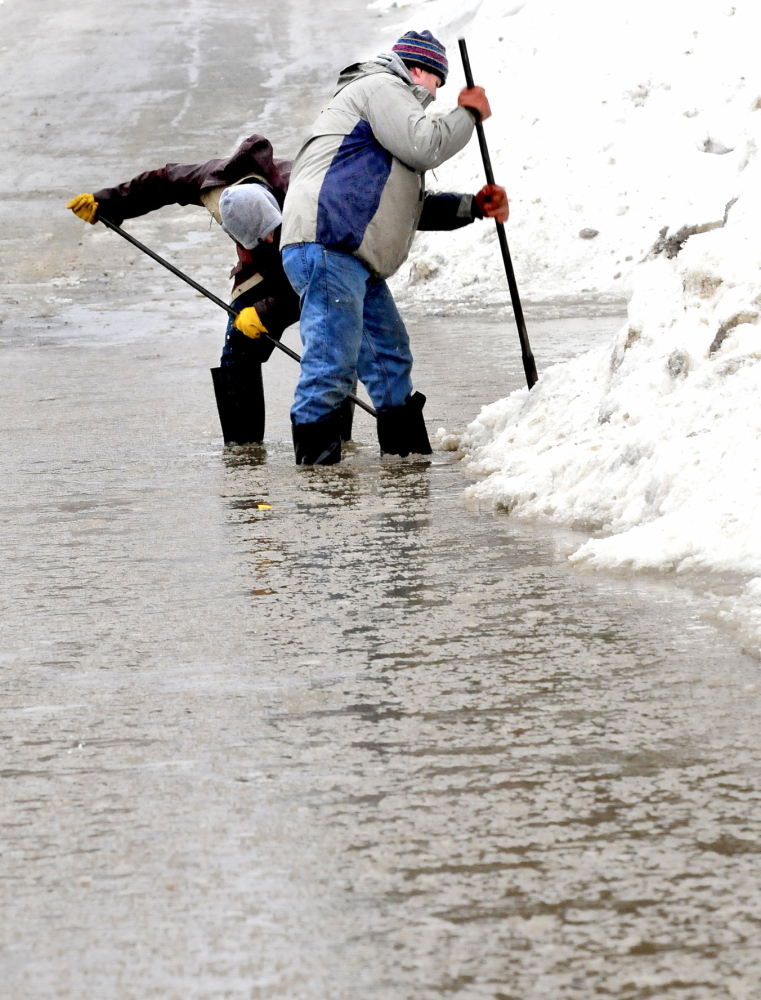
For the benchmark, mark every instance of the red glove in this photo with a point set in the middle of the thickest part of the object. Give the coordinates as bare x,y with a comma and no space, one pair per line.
492,202
475,98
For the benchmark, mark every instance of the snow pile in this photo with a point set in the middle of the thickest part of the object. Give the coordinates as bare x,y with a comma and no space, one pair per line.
642,122
610,122
654,441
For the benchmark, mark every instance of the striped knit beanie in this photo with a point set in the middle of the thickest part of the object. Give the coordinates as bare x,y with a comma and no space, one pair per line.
422,48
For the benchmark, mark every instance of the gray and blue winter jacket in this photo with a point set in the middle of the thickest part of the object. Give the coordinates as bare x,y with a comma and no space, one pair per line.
358,183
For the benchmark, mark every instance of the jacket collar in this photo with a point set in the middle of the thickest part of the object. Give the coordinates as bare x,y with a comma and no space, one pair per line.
386,62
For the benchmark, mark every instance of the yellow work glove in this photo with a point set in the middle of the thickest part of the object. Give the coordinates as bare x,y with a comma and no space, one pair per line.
249,324
85,207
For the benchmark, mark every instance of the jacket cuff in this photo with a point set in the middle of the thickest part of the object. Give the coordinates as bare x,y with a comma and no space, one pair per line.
106,207
472,209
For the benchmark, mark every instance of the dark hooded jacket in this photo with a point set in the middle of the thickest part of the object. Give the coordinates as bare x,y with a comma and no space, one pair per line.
186,184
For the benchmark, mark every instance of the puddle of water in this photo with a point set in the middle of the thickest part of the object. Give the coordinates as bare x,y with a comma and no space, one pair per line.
365,741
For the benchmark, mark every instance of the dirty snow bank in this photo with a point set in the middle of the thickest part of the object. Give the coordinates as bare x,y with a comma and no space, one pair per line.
654,441
651,443
609,119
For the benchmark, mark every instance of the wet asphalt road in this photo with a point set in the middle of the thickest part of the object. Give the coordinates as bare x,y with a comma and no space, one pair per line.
370,742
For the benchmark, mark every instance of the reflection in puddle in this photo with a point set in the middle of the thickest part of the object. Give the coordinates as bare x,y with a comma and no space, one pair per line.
378,743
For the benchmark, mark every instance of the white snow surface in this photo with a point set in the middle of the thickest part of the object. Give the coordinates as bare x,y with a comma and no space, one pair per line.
626,119
620,118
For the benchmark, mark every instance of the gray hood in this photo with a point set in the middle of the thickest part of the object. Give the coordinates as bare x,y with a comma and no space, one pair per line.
386,62
391,61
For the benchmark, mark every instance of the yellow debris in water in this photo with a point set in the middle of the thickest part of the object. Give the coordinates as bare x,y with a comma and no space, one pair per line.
264,506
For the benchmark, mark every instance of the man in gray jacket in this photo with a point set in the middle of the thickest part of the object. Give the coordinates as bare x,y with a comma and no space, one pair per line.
356,199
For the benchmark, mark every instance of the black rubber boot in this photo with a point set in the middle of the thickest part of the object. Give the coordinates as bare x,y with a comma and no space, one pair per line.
240,401
346,411
318,443
402,430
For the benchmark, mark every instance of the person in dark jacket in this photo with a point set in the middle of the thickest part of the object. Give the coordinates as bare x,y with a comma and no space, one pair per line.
356,199
244,193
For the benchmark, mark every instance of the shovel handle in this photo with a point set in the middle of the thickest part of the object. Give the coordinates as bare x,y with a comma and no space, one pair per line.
215,299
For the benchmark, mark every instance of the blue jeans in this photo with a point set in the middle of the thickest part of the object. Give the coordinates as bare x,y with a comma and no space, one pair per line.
350,327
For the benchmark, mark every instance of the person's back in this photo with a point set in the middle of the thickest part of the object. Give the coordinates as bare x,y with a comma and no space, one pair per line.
358,181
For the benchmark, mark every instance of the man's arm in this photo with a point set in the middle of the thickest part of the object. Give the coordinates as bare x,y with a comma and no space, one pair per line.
272,315
174,184
452,211
448,211
278,306
278,312
401,126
